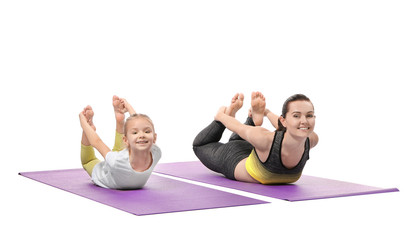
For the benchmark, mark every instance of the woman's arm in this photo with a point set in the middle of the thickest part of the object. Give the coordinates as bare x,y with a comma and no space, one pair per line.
93,137
259,137
313,139
273,118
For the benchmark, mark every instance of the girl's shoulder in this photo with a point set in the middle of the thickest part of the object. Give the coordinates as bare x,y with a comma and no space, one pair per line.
156,152
119,153
114,156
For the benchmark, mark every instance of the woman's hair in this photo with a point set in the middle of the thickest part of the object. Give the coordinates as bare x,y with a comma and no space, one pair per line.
285,108
136,116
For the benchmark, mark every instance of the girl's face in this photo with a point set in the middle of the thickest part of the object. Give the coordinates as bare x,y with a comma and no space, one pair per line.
140,134
300,119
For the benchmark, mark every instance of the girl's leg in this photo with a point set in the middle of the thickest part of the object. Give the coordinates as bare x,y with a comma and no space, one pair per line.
118,142
119,110
88,158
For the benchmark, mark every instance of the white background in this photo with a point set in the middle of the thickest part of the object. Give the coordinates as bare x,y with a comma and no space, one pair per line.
179,61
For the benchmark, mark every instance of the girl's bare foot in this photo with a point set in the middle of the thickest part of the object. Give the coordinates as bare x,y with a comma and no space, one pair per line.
235,105
119,109
258,106
89,114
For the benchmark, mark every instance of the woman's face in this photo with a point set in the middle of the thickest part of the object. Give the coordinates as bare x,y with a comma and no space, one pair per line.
300,119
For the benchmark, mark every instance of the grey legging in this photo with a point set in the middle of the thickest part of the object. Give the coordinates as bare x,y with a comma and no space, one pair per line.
221,157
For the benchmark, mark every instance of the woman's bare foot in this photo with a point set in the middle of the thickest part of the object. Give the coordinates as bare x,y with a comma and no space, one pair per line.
235,105
119,109
258,106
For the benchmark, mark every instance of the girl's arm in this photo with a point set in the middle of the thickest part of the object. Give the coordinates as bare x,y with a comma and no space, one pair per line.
128,107
259,137
273,118
93,137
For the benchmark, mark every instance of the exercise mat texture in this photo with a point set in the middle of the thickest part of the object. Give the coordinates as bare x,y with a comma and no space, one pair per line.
306,188
160,194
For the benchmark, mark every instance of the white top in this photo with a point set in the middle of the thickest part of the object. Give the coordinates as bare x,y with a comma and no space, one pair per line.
116,172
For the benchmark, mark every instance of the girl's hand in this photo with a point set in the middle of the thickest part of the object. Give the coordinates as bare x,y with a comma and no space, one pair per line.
82,117
83,120
119,109
220,113
128,107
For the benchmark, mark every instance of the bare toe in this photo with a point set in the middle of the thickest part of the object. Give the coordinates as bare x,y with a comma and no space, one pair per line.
119,108
236,103
258,106
88,112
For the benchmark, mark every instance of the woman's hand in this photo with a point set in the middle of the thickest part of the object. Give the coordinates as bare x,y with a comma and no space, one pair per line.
220,113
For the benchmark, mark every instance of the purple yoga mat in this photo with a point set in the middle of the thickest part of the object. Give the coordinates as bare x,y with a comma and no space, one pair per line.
160,194
306,188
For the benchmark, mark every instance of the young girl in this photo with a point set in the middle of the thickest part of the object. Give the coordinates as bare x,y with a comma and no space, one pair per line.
134,155
255,154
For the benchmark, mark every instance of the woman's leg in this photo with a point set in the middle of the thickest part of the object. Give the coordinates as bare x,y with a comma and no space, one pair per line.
235,136
88,158
206,146
255,118
213,133
256,113
220,157
258,106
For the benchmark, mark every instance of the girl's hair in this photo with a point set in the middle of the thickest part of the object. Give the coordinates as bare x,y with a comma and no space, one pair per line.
285,108
137,116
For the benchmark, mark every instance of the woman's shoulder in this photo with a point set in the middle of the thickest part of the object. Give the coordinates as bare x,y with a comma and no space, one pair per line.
313,140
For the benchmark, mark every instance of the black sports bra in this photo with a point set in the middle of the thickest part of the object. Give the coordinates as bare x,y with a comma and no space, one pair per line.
274,162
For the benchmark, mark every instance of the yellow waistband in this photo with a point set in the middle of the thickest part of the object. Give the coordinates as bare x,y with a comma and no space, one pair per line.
260,173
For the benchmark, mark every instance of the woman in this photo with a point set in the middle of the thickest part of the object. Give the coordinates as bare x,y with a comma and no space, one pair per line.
255,154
